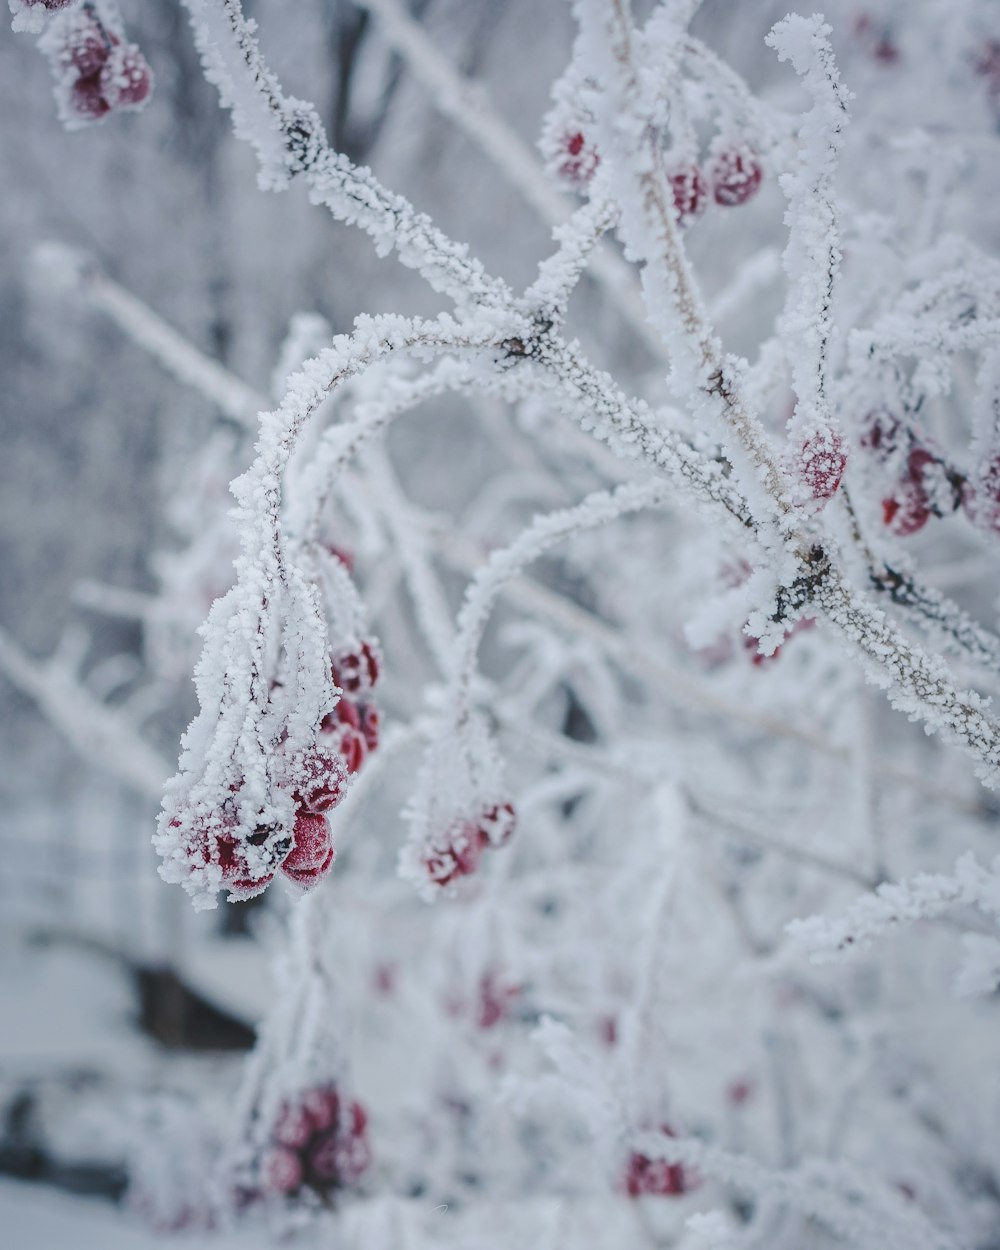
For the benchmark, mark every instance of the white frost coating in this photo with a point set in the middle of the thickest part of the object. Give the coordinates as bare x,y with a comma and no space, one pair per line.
289,140
894,905
812,256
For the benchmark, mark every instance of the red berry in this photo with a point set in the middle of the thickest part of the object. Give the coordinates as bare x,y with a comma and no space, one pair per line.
369,725
497,823
655,1176
739,1092
312,853
822,463
881,433
126,80
690,193
735,176
580,159
355,671
909,507
89,47
322,1106
982,501
494,999
282,1171
294,1125
359,1119
322,785
87,97
459,857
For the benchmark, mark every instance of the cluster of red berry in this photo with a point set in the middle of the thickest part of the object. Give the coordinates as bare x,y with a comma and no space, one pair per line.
656,1176
464,842
102,73
317,1143
733,176
927,485
305,855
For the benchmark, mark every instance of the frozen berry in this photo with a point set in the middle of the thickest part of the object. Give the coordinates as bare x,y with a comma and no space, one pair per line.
460,855
690,192
982,501
369,725
821,465
87,97
88,45
324,777
126,80
322,1106
312,853
282,1171
294,1126
579,159
928,488
735,176
881,433
655,1176
497,823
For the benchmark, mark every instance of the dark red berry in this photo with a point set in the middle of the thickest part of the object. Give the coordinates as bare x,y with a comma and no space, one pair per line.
690,192
821,465
460,855
322,1106
735,176
908,509
370,725
126,80
655,1176
881,433
323,782
87,98
89,47
982,500
580,159
312,853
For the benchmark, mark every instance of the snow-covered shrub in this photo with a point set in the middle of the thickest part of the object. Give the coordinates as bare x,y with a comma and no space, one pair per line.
611,647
